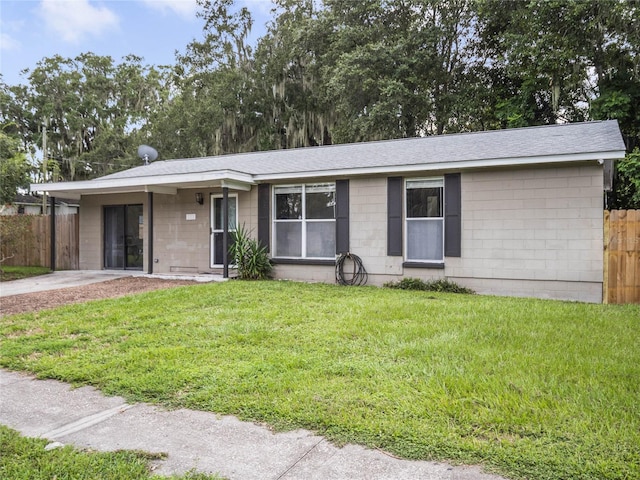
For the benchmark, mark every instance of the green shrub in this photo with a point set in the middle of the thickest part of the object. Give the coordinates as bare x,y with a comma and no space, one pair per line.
251,259
441,285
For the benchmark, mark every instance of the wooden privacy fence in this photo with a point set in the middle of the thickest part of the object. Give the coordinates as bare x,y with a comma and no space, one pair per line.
621,256
34,249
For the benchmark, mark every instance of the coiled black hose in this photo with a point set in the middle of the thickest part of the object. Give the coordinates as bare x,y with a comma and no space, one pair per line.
358,275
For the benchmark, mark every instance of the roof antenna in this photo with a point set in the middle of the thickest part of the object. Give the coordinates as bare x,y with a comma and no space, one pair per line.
147,154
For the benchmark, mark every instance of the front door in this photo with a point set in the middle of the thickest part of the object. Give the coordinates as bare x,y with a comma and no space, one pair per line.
217,231
123,234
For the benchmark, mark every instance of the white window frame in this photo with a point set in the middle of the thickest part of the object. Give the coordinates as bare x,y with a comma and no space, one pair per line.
430,182
303,221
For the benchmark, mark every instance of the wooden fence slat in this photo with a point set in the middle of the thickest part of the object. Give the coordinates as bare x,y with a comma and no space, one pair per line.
622,256
607,256
35,249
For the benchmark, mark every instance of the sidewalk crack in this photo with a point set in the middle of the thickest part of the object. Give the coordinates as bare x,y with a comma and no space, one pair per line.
300,459
85,422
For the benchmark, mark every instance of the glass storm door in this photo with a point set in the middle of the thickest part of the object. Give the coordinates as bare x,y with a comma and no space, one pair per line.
217,231
123,234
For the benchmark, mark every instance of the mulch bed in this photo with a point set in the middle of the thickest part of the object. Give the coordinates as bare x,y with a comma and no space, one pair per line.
120,287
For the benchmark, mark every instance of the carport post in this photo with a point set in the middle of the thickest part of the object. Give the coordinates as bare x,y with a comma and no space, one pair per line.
225,232
150,231
52,201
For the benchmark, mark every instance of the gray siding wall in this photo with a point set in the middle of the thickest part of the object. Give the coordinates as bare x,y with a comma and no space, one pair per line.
180,245
539,229
525,232
91,248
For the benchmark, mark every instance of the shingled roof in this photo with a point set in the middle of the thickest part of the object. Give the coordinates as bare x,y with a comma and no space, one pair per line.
522,146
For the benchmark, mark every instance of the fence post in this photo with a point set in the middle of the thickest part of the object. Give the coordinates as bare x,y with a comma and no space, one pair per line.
53,233
605,278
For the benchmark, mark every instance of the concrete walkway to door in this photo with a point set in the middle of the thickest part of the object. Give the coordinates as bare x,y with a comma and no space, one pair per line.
76,278
59,279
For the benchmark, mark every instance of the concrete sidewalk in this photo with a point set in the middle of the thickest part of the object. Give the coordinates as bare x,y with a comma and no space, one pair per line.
195,440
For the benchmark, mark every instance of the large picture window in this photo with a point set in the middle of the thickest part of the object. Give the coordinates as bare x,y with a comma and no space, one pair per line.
424,216
304,221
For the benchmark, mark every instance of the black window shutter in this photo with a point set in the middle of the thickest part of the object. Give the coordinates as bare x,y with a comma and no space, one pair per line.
394,216
342,216
452,215
264,220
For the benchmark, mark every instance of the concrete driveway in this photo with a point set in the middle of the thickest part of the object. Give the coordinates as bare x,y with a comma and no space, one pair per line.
59,279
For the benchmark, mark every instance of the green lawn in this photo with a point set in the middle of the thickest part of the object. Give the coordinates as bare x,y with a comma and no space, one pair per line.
26,459
529,388
8,273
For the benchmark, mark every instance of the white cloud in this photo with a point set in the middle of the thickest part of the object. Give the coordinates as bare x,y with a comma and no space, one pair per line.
8,43
184,8
75,19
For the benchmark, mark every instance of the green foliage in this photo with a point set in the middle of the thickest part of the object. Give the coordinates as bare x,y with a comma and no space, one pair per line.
440,285
529,388
14,168
9,273
289,85
250,258
626,194
26,458
338,71
95,111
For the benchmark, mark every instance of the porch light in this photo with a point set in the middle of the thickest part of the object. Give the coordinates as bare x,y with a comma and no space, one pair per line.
199,199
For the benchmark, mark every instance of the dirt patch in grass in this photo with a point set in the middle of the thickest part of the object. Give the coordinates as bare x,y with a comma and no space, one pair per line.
120,287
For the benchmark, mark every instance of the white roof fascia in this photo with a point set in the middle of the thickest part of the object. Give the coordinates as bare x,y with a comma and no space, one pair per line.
161,189
37,187
148,184
449,165
233,185
193,177
59,186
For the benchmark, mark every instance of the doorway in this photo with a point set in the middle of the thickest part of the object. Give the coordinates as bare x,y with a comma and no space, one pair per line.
123,237
217,230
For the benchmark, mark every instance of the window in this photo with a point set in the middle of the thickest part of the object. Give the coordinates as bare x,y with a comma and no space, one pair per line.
425,220
304,221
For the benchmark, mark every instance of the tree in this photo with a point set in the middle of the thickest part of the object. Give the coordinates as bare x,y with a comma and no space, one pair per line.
337,71
14,169
557,60
626,192
94,110
207,112
288,89
397,68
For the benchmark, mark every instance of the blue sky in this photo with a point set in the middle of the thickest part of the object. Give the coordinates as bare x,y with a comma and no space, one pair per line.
153,29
